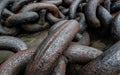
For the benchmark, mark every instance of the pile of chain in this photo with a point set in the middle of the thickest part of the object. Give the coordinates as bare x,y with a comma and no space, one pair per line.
69,23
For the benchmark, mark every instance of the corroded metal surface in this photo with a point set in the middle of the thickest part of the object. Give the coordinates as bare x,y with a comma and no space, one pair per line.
48,52
15,64
12,43
77,53
87,23
105,64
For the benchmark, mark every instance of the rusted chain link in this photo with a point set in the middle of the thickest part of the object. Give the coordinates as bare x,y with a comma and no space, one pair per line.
72,26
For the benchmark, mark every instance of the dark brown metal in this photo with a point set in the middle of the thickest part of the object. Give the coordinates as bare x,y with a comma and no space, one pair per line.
57,25
12,43
16,64
56,2
82,22
73,8
64,10
77,53
106,64
51,48
105,18
37,6
60,69
39,26
3,4
52,19
116,26
22,18
90,13
19,4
